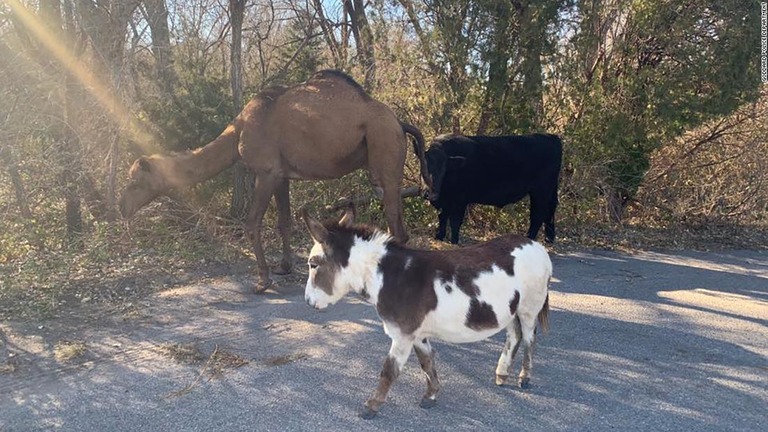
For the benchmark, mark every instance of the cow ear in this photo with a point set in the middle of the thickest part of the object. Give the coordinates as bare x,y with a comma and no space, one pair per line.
456,161
348,219
316,229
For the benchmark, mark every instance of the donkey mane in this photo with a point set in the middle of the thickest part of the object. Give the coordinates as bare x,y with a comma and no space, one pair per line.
363,231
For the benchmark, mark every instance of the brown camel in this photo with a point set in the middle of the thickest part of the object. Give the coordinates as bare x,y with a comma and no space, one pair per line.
321,129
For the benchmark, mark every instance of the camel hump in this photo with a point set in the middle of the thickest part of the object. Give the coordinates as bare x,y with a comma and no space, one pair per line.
339,76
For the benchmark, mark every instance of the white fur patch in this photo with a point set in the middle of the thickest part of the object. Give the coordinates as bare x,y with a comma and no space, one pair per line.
532,269
360,273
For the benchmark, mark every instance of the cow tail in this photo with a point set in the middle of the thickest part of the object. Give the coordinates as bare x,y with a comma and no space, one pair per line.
418,148
544,315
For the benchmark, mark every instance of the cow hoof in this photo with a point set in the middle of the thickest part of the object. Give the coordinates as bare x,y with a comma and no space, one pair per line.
367,413
525,383
427,403
501,379
549,241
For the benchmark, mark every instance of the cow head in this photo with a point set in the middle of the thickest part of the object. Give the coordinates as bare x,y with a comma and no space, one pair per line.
438,164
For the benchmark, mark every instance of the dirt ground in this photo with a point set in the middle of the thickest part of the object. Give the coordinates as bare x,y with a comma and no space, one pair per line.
639,341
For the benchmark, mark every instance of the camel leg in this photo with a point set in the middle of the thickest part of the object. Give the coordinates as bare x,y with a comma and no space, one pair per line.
386,161
393,211
282,200
262,192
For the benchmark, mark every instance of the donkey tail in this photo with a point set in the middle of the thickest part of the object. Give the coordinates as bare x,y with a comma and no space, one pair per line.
418,148
544,315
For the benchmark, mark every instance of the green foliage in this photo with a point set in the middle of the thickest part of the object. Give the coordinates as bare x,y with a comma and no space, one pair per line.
303,52
196,114
672,66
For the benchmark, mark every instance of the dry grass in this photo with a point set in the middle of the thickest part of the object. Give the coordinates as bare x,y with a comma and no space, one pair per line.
187,353
284,359
213,365
66,350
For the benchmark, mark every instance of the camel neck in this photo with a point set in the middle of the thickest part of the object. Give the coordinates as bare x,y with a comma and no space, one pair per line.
203,163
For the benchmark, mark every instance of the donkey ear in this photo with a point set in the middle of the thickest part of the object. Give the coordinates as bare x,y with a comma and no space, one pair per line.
348,219
316,229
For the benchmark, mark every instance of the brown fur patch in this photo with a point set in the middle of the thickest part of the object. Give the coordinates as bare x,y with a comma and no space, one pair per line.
513,303
480,315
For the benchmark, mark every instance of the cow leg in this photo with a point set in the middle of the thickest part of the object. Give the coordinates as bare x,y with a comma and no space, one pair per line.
456,218
262,192
282,200
549,220
527,330
537,215
426,356
393,364
514,336
442,225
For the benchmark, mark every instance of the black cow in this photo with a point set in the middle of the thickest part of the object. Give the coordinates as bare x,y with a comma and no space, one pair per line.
496,171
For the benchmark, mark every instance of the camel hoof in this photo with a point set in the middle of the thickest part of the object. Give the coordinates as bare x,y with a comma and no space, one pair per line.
501,379
525,383
427,403
262,286
367,413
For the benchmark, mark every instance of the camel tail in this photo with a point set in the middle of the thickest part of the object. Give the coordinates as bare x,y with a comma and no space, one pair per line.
418,148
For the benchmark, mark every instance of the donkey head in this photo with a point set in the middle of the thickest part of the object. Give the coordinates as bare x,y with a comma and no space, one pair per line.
328,258
146,183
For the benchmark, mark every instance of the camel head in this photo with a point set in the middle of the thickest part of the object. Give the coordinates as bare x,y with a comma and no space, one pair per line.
147,182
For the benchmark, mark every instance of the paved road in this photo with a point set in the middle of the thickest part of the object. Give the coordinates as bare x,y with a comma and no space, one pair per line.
648,341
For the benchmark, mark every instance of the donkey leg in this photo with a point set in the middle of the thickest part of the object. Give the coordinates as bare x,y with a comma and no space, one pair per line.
426,356
262,192
393,364
514,336
527,327
282,200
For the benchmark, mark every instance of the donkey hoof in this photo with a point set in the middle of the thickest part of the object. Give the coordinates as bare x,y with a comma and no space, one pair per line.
525,383
367,413
501,379
427,403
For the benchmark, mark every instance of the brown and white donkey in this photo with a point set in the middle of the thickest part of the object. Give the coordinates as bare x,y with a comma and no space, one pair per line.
461,295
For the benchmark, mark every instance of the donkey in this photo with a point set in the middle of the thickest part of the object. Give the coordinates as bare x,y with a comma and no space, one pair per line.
459,296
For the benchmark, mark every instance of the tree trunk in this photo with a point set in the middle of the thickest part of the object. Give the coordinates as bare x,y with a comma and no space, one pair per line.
157,17
9,162
242,177
338,54
497,69
531,39
361,30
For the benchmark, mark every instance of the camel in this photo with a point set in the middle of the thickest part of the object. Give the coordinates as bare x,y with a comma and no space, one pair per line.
323,128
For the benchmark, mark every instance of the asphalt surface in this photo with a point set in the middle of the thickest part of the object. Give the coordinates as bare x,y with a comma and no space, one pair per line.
641,342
